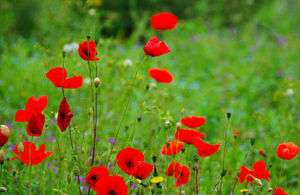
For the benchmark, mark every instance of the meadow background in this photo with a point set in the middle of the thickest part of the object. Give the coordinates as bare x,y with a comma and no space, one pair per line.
226,56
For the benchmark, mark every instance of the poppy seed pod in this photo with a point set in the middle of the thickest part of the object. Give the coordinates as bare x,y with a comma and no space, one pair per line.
20,147
2,157
252,141
3,189
97,82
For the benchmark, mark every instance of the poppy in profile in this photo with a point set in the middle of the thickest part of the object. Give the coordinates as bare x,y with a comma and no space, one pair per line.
259,172
4,134
205,149
64,115
36,124
193,121
164,21
279,191
142,170
161,75
111,185
180,172
188,136
95,174
183,176
173,147
128,158
88,51
58,76
33,106
287,151
33,157
155,48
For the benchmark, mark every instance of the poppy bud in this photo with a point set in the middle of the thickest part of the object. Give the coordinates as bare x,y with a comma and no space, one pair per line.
263,153
3,189
178,126
154,159
223,173
195,158
228,115
126,127
155,173
147,87
5,130
2,157
69,178
76,172
270,166
182,149
139,118
88,37
63,53
196,166
90,111
168,124
96,40
270,189
258,181
20,147
252,141
97,82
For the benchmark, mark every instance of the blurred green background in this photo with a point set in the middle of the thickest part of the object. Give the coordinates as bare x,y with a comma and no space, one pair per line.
240,56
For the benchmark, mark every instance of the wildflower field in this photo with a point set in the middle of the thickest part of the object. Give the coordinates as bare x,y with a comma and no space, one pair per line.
178,106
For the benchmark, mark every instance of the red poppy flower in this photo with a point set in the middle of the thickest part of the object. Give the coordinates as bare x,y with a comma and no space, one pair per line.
128,158
155,48
173,168
58,76
188,136
111,185
161,75
279,191
181,173
87,50
183,176
4,134
33,106
236,133
193,121
164,21
36,156
259,172
205,149
95,174
173,147
287,151
142,170
64,115
36,124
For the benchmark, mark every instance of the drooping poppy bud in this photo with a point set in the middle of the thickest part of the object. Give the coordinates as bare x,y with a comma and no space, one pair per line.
64,115
4,134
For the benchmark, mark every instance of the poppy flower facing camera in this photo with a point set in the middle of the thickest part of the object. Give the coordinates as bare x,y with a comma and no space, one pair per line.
161,75
287,151
128,159
95,174
164,21
155,48
111,185
58,76
88,51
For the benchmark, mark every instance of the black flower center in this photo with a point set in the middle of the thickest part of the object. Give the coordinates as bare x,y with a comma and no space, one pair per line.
94,178
112,192
129,163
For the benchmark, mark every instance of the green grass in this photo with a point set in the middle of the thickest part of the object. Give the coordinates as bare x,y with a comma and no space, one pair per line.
215,72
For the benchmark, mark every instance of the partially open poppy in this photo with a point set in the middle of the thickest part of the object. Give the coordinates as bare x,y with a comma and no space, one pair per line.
205,149
33,106
29,155
161,75
287,151
88,51
4,134
173,147
193,121
259,172
164,21
64,115
155,48
279,191
180,172
142,170
95,174
128,159
188,136
111,185
36,124
58,76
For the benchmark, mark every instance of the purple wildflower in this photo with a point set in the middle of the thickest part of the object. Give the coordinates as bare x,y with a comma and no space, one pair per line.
112,140
50,139
9,124
111,166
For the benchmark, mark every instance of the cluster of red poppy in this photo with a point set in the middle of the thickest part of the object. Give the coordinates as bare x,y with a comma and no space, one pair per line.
180,172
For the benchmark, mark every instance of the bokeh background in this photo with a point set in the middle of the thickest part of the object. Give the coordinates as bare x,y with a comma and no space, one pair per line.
238,56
